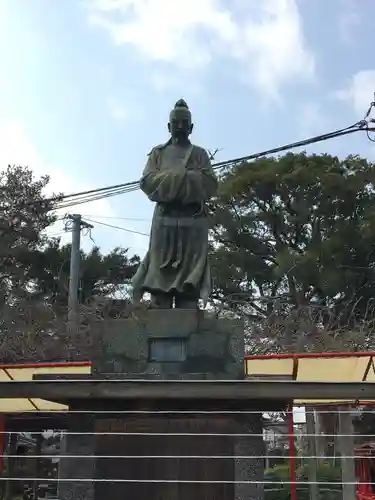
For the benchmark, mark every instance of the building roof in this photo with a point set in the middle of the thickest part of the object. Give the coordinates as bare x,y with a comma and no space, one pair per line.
307,367
25,372
314,367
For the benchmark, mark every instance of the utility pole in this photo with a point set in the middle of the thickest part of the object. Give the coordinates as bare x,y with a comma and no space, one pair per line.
75,261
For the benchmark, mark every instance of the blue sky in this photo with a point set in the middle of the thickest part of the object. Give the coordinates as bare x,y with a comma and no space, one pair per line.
86,86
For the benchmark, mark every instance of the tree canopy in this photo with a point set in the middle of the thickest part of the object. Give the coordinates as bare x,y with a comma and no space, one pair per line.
24,214
293,236
34,271
100,275
291,251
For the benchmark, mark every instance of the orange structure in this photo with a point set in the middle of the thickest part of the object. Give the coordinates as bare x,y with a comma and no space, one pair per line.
365,471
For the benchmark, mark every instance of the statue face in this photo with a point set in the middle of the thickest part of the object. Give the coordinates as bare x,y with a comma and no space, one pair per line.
180,125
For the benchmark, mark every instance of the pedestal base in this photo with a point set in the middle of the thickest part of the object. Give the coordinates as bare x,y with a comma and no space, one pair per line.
172,343
197,449
201,455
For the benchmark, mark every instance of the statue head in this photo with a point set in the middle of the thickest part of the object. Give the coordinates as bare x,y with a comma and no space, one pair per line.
180,125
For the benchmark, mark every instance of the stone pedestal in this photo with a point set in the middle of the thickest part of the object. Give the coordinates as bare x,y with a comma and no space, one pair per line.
203,444
170,344
206,470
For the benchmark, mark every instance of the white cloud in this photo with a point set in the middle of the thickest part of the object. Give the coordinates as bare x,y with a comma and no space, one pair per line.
17,148
265,37
125,111
360,91
118,110
349,20
309,117
164,81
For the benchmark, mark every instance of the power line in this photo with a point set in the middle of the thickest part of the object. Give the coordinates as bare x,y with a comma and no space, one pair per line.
357,127
115,218
55,235
95,197
117,227
111,189
65,201
134,185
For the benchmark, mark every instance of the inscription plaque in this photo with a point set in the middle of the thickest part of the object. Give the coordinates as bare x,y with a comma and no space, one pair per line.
167,350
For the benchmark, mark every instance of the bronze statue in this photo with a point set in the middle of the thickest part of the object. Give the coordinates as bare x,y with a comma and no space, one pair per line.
179,178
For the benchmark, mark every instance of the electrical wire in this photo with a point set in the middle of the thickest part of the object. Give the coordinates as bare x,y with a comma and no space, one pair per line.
69,200
116,227
85,199
56,235
115,218
280,149
134,185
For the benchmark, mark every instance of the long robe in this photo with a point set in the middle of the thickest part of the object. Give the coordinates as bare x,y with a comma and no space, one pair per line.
180,180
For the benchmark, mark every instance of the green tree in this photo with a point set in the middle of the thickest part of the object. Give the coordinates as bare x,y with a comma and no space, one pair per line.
24,214
34,273
35,329
293,249
101,275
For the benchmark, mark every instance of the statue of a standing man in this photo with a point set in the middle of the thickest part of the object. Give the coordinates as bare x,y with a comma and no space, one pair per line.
179,178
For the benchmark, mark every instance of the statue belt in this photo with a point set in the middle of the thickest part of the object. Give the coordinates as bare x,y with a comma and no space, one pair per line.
177,209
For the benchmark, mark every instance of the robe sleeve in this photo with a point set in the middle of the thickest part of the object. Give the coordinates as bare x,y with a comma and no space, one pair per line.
200,183
161,186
